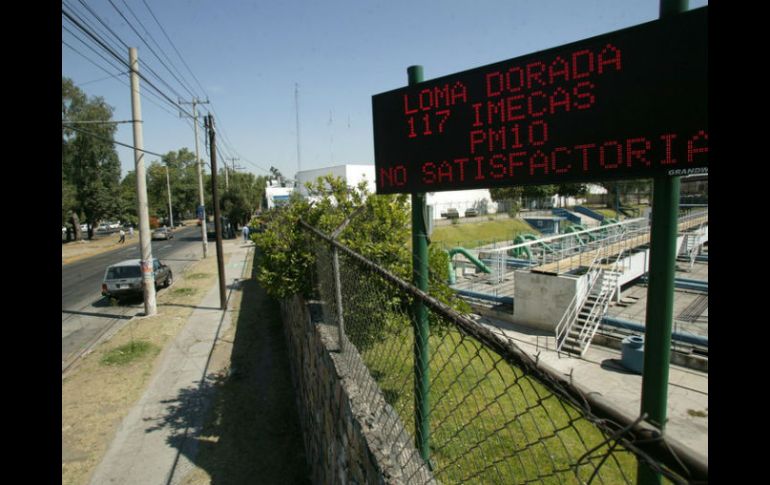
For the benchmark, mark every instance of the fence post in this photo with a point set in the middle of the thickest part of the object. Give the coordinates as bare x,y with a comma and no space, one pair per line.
421,330
337,284
338,294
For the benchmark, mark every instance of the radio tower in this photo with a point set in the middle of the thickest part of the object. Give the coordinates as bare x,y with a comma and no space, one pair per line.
296,105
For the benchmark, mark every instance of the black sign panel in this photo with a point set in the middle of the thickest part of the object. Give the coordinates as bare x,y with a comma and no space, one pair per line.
628,104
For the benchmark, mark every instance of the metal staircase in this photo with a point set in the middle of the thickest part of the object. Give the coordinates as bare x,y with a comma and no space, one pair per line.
581,320
578,337
693,243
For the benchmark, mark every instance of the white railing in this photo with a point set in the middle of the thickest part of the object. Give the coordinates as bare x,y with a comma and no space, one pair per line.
567,252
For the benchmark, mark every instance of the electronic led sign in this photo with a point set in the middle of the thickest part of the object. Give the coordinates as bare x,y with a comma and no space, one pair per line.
628,104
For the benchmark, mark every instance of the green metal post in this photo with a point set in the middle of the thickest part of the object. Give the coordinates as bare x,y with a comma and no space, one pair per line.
660,292
421,329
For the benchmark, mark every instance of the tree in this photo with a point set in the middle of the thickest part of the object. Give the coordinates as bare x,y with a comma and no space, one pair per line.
539,193
618,190
128,199
240,201
508,199
380,232
90,163
571,190
183,179
276,175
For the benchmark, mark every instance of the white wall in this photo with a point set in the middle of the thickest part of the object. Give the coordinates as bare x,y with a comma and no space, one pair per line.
351,174
460,200
540,300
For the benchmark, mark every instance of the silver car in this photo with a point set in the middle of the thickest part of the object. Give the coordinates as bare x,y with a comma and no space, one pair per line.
125,278
162,233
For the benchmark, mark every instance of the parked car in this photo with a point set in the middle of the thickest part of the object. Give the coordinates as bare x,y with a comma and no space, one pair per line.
125,278
162,233
451,214
471,212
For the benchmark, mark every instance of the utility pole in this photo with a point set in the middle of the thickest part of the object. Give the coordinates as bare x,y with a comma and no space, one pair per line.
202,206
145,240
217,216
168,187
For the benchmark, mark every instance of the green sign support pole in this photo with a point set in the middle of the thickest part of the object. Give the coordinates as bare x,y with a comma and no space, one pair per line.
421,329
660,292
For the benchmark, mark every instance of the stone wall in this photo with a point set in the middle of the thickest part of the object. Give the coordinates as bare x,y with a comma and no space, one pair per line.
351,434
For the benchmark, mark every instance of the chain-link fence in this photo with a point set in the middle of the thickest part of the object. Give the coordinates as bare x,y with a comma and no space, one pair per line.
495,416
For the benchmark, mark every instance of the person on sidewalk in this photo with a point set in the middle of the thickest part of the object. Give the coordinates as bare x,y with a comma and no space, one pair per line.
246,233
130,231
122,236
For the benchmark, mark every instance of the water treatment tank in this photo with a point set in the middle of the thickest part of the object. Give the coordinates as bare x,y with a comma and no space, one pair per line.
633,353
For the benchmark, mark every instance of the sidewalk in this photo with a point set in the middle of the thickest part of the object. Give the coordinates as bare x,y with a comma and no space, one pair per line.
158,441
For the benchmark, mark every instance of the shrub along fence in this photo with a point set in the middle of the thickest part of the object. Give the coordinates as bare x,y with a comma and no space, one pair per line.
495,415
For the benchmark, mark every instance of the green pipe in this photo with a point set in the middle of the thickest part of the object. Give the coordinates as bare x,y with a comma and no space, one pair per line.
473,259
521,252
576,228
532,237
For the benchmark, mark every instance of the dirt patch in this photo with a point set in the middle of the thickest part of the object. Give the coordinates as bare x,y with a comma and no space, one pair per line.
96,397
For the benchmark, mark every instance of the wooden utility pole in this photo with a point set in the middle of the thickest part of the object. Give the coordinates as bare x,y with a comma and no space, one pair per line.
217,214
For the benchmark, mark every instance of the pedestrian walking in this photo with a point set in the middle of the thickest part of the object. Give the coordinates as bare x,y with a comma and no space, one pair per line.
131,231
246,233
122,236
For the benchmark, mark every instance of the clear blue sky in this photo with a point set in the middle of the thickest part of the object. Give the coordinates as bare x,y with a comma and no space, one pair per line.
248,55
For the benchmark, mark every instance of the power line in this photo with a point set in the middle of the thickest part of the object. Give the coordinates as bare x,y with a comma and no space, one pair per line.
106,59
122,81
174,47
183,81
102,42
119,58
115,142
90,60
99,19
104,122
102,79
128,22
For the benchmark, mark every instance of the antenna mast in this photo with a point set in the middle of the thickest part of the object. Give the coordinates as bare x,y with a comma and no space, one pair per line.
296,104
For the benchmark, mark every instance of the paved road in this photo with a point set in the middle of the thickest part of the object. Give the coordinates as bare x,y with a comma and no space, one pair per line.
87,315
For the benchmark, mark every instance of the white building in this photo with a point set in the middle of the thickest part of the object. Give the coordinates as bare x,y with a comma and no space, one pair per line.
461,200
351,174
276,196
